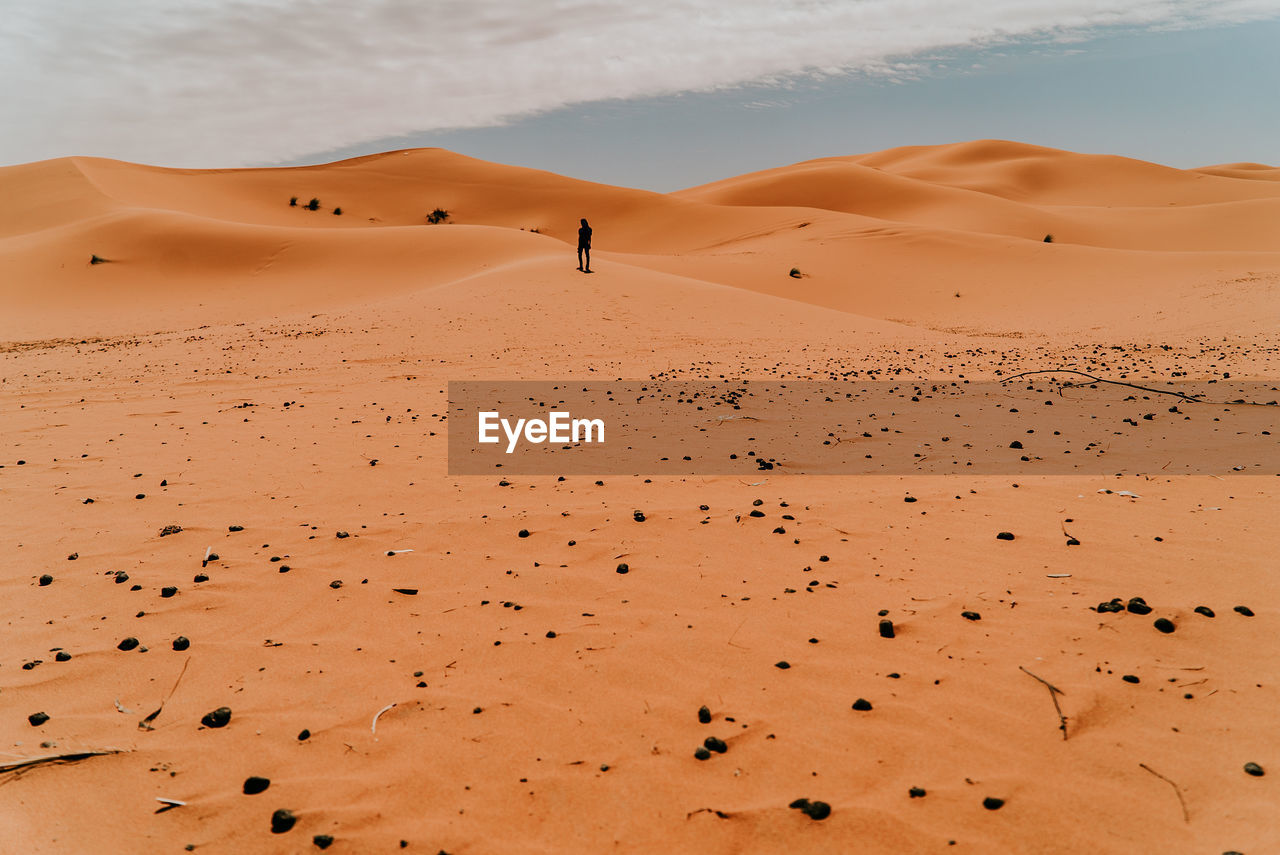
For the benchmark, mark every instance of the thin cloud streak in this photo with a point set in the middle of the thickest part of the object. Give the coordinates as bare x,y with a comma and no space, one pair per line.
233,82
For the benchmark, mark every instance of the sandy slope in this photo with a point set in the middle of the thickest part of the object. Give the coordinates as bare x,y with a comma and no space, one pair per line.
238,362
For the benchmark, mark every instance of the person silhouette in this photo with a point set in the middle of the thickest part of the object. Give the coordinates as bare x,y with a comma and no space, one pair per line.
584,246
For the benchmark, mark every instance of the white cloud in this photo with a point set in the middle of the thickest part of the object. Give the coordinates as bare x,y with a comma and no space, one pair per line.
227,82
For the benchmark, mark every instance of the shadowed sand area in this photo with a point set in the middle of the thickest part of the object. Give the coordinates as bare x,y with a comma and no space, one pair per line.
272,380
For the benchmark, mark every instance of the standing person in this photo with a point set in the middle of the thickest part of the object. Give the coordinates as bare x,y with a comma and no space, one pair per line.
584,246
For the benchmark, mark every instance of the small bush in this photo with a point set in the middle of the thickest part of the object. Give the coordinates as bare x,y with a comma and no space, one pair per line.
795,273
439,215
337,212
94,259
293,201
1048,238
957,293
313,205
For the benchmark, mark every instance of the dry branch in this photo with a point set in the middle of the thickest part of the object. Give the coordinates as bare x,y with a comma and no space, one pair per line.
1186,817
1191,399
1054,691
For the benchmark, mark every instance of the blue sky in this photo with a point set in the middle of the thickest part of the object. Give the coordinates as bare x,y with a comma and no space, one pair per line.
663,94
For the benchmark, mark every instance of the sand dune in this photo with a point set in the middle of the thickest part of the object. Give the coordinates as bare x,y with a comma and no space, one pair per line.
411,673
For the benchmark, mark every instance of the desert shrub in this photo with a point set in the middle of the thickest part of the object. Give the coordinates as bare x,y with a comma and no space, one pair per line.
1048,238
439,215
293,201
313,205
94,259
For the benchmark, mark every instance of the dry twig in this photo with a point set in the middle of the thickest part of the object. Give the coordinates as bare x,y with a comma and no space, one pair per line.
1186,817
1054,691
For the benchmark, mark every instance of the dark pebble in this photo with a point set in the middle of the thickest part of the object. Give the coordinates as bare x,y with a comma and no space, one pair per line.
200,577
45,580
524,532
551,633
168,591
1005,535
335,584
322,841
1138,606
638,516
1254,769
62,656
1015,444
916,792
342,534
181,643
701,753
991,803
121,577
218,718
255,784
971,616
304,735
235,528
1204,610
408,592
282,820
813,810
886,629
783,665
623,568
1130,678
713,743
141,496
1164,625
38,719
909,499
1244,610
704,715
128,644
862,705
1113,606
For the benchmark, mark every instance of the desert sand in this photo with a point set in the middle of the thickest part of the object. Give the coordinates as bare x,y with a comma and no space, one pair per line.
410,673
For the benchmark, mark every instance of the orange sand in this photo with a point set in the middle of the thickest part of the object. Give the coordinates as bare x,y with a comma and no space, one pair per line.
241,362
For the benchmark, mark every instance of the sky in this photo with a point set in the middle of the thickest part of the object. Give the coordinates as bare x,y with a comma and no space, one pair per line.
660,94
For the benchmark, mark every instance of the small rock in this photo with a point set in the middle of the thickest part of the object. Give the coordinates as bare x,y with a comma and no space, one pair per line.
704,714
322,841
181,643
1130,678
1138,606
862,705
218,718
991,803
971,616
121,577
1005,535
335,584
813,810
1015,444
638,516
712,743
1244,610
235,528
886,628
701,753
623,568
342,534
916,792
62,656
128,644
1254,769
45,580
1113,606
168,591
1164,625
255,784
282,820
304,735
40,718
524,532
200,577
551,633
408,592
783,665
1204,610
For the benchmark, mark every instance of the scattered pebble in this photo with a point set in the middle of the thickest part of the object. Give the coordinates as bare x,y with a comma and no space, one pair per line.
282,820
255,784
704,714
862,705
45,580
1244,610
168,591
322,841
1138,606
127,644
1164,625
813,810
713,743
971,616
991,803
1254,769
623,568
181,643
886,628
1005,535
783,665
701,753
218,718
40,718
1204,610
1130,678
916,792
